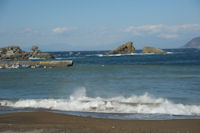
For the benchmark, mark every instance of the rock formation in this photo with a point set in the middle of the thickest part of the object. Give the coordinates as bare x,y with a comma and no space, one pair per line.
38,54
147,49
126,48
15,53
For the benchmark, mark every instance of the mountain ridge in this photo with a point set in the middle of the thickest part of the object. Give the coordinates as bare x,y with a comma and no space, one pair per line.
194,43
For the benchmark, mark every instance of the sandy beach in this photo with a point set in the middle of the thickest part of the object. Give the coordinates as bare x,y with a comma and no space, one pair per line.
46,122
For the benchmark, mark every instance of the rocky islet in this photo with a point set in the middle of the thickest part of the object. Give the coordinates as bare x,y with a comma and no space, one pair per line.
128,48
15,57
16,53
148,49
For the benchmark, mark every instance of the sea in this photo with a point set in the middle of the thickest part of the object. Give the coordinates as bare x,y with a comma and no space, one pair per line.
131,86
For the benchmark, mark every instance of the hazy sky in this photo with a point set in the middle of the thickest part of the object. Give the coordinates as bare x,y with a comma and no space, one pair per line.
98,24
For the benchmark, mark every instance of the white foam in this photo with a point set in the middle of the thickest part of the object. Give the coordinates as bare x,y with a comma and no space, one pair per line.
170,52
102,55
35,58
131,54
78,101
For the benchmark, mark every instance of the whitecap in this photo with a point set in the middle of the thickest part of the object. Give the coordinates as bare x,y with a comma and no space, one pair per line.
79,101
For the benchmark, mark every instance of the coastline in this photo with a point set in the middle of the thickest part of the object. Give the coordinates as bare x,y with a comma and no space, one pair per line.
45,122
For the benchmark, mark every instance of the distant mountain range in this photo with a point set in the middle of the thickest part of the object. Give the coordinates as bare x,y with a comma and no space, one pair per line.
194,43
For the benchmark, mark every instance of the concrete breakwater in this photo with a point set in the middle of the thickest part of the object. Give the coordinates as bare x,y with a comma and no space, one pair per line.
34,64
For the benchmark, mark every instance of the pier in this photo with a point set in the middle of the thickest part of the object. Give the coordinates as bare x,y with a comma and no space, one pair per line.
34,64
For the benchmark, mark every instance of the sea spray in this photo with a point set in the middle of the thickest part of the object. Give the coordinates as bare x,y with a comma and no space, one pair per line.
79,101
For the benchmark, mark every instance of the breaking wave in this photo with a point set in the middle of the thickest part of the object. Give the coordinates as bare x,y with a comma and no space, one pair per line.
102,55
79,101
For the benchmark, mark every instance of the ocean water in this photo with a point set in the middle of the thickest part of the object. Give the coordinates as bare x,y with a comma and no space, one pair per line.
133,86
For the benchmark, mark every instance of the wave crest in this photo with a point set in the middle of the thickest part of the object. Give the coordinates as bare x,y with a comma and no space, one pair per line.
79,101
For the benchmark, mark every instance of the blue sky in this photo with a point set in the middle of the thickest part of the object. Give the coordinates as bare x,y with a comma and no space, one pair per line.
98,24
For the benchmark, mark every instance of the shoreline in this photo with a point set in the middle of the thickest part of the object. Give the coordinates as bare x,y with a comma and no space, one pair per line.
45,122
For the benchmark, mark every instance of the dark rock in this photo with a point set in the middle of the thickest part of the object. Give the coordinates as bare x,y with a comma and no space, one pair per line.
153,50
15,53
41,55
34,48
194,43
38,54
126,48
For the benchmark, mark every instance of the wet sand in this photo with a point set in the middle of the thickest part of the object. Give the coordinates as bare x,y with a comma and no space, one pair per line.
46,122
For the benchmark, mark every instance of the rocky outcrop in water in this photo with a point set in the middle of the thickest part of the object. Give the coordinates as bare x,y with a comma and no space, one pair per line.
15,53
36,53
153,50
126,48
